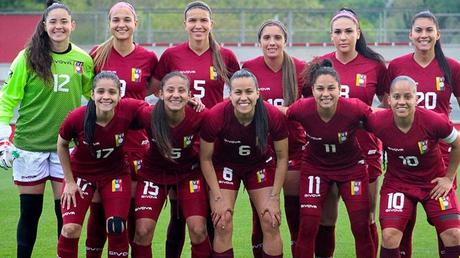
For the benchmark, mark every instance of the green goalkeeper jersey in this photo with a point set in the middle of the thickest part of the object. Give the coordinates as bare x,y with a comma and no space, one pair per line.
43,106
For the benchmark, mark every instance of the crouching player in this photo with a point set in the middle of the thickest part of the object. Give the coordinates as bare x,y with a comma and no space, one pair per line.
416,172
97,162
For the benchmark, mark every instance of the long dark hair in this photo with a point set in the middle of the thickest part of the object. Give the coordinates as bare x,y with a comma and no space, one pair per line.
38,51
290,87
217,60
89,124
159,120
361,44
438,53
260,114
315,69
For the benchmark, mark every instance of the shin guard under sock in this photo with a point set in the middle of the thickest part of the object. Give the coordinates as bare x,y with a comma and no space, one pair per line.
31,206
325,241
176,232
226,254
257,236
291,207
57,211
140,251
67,247
96,233
202,250
451,252
389,253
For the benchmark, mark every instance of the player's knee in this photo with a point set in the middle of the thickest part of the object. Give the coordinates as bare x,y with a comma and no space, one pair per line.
71,230
391,237
267,223
115,225
197,232
451,237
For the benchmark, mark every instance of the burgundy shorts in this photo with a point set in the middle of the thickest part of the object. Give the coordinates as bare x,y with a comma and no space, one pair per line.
115,198
191,194
398,201
230,177
353,188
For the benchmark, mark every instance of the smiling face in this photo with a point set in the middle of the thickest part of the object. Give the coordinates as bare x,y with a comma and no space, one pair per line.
326,91
424,34
344,34
58,26
272,41
106,95
403,99
175,93
198,24
244,95
122,23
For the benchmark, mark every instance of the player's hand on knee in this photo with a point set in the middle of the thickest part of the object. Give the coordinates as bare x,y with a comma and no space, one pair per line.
68,196
272,207
7,153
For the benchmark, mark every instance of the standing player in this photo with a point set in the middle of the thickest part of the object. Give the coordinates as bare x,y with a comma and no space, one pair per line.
362,73
47,79
97,162
172,162
281,82
208,67
332,156
235,147
134,65
416,171
437,79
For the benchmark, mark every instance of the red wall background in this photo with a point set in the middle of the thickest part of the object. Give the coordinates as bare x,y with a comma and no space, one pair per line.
16,30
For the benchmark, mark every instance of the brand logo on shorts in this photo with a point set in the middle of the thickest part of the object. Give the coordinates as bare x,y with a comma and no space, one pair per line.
119,139
356,188
423,147
440,85
261,177
136,75
444,203
361,80
342,137
194,186
116,185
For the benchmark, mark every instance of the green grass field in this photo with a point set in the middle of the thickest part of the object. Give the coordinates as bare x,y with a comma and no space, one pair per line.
424,242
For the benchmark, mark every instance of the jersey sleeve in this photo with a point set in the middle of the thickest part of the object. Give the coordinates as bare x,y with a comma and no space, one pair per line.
210,126
87,78
389,76
443,127
278,126
293,111
362,109
67,130
12,90
455,73
162,67
137,108
232,63
381,80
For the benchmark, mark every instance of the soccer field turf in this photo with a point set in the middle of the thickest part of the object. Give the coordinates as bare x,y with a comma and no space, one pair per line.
424,241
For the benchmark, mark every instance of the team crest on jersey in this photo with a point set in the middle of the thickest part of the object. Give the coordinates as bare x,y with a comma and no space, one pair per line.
342,137
137,165
444,203
78,67
440,83
116,185
195,186
356,188
136,74
212,73
187,141
423,146
361,80
119,139
261,177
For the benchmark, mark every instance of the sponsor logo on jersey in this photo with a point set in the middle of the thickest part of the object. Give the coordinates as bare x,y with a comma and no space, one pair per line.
136,75
361,80
187,141
440,85
119,139
261,177
212,73
137,165
444,203
356,188
342,137
116,185
423,147
78,67
194,186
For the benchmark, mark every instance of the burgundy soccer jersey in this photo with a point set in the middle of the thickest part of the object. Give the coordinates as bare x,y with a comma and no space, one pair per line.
135,71
204,80
108,140
413,157
360,78
433,91
271,89
235,144
184,153
332,146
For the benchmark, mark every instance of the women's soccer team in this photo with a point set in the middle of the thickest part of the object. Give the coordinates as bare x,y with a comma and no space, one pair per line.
278,124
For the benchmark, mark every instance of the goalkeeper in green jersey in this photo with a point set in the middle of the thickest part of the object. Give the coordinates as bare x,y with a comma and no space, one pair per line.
46,81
